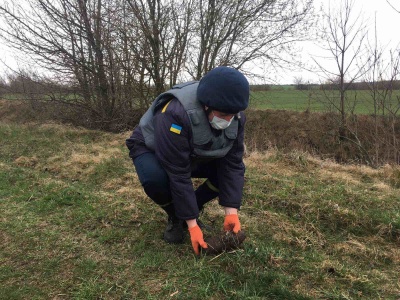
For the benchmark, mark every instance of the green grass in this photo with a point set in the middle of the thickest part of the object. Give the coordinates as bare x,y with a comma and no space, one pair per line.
359,102
75,224
287,97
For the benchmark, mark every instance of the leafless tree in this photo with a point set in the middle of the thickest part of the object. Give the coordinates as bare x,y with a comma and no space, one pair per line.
160,45
381,75
74,41
300,83
118,54
237,32
3,87
344,36
382,80
395,8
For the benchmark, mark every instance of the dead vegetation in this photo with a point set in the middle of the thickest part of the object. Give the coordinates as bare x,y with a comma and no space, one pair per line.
316,133
330,229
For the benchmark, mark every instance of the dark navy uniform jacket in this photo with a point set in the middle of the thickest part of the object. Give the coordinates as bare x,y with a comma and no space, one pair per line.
175,153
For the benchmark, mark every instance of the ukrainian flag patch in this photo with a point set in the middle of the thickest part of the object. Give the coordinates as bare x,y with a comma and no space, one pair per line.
176,129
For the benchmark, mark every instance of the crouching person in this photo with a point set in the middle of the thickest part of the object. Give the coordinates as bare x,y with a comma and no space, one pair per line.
194,130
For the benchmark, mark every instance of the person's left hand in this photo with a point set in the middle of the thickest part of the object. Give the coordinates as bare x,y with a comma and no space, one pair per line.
232,223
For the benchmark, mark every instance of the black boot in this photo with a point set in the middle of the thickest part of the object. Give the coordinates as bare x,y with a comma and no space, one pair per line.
174,232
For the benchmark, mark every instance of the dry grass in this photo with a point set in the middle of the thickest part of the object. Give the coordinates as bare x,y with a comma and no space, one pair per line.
358,260
316,229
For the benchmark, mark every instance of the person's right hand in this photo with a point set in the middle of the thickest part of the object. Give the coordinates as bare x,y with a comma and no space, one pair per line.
196,236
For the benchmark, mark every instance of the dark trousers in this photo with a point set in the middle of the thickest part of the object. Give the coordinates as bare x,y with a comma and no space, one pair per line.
155,181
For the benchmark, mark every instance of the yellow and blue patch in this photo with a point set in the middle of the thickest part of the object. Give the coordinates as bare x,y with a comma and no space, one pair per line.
176,129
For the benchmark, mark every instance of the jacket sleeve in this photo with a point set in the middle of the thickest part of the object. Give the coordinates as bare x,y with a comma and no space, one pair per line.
173,148
231,171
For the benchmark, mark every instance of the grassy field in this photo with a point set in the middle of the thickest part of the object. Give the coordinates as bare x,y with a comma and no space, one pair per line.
318,101
75,224
286,97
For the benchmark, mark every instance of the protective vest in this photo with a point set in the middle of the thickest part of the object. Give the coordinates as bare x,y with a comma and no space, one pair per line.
205,142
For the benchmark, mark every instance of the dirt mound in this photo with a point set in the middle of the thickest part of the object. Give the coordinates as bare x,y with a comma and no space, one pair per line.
223,242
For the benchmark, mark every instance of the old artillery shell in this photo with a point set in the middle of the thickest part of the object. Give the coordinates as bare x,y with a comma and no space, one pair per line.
223,242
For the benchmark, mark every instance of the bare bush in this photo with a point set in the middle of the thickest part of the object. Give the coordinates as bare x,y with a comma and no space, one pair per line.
115,56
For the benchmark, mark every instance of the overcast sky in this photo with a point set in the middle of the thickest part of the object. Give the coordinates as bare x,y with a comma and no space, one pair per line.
387,23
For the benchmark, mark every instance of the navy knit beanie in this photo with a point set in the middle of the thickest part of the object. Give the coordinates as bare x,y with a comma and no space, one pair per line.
224,89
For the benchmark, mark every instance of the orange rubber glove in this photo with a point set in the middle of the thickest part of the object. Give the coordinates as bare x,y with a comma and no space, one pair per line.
196,236
232,223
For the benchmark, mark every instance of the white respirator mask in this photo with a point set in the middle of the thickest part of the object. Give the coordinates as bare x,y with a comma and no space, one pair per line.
219,123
